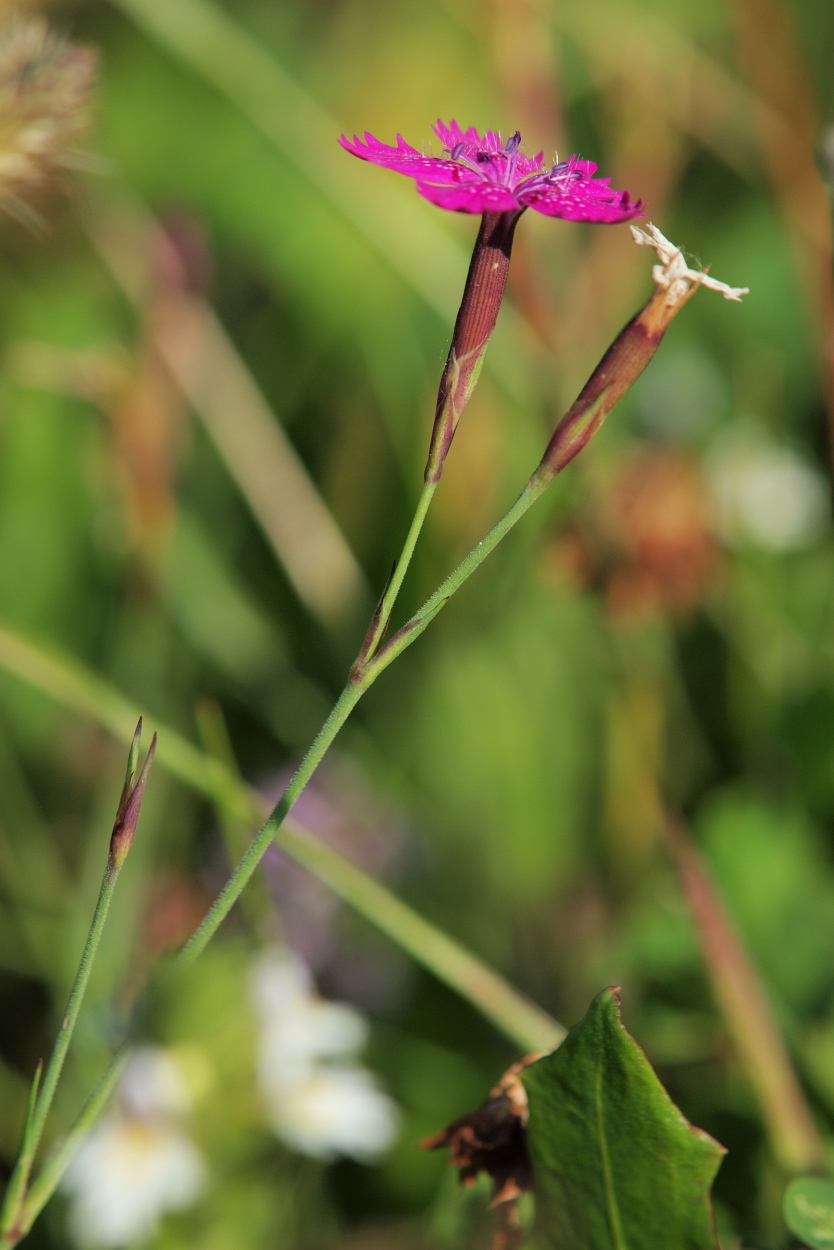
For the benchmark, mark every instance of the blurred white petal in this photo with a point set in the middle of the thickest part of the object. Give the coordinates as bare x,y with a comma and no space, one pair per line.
316,1107
278,980
298,1028
765,494
152,1084
126,1175
335,1111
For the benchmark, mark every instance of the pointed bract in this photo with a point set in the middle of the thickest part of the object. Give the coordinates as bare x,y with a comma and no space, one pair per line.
132,763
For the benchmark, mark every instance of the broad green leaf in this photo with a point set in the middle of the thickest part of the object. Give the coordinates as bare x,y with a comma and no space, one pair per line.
809,1211
615,1164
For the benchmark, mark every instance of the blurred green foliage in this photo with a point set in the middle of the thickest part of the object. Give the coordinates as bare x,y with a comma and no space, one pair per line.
625,647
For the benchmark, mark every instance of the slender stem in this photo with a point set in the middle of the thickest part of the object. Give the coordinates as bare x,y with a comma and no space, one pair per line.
383,613
16,1189
62,1041
58,1162
364,675
17,1185
258,909
73,687
350,696
404,637
228,896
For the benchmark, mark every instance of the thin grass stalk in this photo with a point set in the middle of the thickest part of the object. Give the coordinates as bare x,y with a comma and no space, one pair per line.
43,1090
744,1004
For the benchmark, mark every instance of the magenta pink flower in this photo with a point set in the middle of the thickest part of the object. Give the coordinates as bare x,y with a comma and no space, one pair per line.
484,175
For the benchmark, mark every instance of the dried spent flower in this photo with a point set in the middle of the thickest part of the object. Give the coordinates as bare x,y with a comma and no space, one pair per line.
631,351
45,89
674,275
492,1138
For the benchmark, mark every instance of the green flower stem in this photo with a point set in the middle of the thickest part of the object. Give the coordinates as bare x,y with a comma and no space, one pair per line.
59,1160
383,613
261,915
360,679
228,896
363,675
74,687
35,1124
404,637
16,1189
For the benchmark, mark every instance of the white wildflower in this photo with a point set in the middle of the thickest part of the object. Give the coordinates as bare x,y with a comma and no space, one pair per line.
320,1101
765,494
137,1163
298,1027
334,1110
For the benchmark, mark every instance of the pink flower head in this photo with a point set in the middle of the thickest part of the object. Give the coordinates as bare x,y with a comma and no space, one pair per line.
484,175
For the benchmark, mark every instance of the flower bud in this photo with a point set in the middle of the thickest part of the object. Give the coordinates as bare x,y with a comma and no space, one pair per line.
130,803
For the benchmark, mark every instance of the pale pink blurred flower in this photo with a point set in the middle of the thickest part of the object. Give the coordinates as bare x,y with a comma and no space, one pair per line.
482,174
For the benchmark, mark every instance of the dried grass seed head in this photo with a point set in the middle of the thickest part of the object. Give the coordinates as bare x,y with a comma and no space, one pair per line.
46,87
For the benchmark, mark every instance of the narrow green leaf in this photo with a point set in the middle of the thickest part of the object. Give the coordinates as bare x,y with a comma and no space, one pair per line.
809,1211
615,1164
